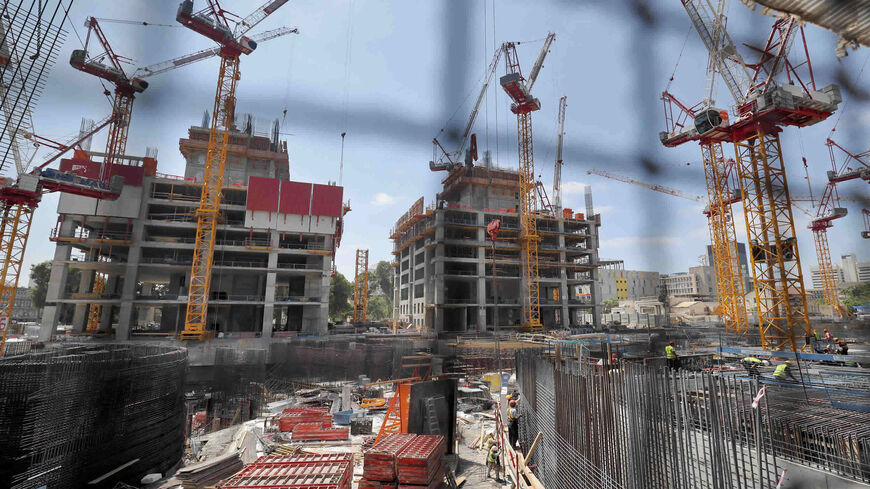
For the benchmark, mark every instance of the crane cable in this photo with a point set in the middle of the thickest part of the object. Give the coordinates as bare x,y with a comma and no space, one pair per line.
679,57
843,107
136,22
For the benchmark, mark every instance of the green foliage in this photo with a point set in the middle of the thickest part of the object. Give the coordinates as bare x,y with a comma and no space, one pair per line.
610,304
383,278
380,307
857,295
40,273
340,297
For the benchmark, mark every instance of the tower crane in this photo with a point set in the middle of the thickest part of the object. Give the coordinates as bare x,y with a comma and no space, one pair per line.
126,87
763,106
212,22
20,196
853,167
361,286
657,188
519,90
557,168
450,161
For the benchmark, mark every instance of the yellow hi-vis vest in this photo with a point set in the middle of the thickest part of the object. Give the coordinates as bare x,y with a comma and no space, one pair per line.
671,352
779,373
751,360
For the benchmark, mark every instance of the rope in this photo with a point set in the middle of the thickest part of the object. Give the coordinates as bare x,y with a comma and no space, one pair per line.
347,59
679,57
495,101
843,106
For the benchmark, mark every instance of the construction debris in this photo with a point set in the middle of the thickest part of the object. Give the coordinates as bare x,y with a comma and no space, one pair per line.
210,472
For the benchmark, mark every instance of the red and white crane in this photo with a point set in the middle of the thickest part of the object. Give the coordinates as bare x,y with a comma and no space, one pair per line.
557,168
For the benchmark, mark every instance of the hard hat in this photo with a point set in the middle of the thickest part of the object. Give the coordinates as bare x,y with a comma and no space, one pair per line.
494,448
826,330
670,342
512,403
836,339
788,362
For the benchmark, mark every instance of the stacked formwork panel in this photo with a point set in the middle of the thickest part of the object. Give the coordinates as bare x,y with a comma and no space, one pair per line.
329,471
72,413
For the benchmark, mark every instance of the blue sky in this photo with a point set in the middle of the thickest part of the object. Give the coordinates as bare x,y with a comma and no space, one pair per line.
393,73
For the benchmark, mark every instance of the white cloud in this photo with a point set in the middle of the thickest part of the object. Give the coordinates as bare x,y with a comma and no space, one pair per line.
633,241
383,199
569,188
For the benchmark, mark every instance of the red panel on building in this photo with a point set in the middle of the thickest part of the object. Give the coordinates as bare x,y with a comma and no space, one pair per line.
262,194
295,197
91,169
327,201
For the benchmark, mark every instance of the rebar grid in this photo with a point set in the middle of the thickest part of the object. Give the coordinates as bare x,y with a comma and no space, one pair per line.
72,413
637,427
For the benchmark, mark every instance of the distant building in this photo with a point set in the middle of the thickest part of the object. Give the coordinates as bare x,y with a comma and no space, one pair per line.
698,282
745,267
23,310
617,283
848,272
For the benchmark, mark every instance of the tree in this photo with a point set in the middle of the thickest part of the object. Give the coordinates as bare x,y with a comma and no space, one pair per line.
857,295
379,308
383,277
40,273
609,304
340,295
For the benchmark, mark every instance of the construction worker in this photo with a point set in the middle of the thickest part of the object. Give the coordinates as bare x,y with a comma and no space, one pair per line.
828,336
816,335
492,462
844,347
490,440
672,357
751,365
783,371
513,423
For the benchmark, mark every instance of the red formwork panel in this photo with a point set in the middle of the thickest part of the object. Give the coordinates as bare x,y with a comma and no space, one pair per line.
379,461
327,200
291,417
316,432
314,474
262,194
305,458
295,198
421,460
437,482
371,484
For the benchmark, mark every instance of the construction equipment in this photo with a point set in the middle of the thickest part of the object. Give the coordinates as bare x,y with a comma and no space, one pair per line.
866,232
520,92
212,22
853,167
763,106
444,161
20,196
633,181
557,168
361,286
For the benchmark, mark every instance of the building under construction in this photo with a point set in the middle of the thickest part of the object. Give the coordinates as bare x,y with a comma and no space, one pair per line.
273,252
452,278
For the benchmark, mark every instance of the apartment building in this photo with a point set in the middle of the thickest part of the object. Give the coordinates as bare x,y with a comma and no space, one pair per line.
699,282
451,278
615,282
272,256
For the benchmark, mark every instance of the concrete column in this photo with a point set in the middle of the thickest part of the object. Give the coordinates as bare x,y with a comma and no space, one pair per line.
147,312
563,278
80,317
131,270
438,279
481,278
269,295
56,285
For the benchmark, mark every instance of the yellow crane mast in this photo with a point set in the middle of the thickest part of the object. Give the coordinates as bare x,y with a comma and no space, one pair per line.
361,286
723,239
519,90
212,22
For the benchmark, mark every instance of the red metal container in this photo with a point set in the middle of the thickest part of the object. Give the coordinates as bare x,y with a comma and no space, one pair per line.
379,463
291,417
421,460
